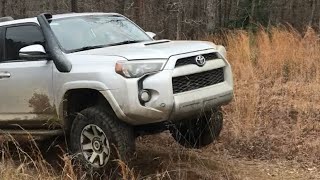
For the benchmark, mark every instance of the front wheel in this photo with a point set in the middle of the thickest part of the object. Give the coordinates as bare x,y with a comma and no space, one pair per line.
97,138
198,132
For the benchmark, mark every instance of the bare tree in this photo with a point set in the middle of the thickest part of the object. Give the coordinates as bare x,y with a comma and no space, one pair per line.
121,6
179,19
3,7
314,5
253,6
211,15
55,6
74,5
138,11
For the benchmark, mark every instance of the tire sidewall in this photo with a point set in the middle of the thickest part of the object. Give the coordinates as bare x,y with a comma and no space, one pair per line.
81,121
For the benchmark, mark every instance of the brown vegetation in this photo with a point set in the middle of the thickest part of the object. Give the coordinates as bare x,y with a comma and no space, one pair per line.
275,112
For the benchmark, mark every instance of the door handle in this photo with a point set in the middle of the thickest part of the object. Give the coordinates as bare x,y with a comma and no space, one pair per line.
5,75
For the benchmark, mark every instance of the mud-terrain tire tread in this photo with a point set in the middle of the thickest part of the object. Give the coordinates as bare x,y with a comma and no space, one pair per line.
118,133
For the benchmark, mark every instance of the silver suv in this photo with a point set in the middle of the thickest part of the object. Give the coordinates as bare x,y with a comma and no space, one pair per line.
101,81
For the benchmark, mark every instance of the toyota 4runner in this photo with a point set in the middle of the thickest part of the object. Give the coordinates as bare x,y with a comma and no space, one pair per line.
101,81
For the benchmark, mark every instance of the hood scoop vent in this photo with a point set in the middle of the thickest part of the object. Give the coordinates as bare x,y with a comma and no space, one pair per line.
157,42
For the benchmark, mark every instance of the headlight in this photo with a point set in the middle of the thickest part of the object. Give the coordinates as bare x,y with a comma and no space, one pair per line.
138,69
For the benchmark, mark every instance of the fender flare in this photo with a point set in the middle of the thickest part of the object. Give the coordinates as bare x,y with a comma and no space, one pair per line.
59,103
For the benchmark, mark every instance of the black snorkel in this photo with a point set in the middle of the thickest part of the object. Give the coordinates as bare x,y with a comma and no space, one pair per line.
52,47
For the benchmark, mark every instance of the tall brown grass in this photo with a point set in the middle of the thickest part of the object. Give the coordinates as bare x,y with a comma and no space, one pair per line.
23,161
24,158
276,110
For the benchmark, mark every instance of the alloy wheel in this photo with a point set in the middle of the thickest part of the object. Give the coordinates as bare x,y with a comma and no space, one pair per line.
95,146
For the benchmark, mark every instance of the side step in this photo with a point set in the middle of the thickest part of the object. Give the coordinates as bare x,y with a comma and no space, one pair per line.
41,132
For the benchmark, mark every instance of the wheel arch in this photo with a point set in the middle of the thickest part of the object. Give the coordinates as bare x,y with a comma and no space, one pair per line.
77,99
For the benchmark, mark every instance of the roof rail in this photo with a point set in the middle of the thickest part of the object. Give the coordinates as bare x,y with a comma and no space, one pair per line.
7,18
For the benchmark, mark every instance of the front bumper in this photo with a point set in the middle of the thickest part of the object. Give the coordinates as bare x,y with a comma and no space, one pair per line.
164,104
192,103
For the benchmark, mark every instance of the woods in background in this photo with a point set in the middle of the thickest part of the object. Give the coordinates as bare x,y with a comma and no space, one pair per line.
182,19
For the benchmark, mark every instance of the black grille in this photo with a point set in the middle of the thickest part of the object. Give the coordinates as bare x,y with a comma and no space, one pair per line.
191,60
197,81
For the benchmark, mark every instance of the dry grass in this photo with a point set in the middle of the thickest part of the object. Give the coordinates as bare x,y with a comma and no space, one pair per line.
23,161
275,115
276,111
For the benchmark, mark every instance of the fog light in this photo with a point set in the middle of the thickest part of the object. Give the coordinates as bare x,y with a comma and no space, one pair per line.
145,96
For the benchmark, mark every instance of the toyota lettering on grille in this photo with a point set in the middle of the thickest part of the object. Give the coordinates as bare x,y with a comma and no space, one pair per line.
200,60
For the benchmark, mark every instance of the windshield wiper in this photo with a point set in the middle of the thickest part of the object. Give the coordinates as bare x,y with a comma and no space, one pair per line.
88,48
124,42
101,46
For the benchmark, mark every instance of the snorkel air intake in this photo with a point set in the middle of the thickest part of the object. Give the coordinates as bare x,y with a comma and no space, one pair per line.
52,46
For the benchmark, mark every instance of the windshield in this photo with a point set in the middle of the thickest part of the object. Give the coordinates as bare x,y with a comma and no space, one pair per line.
95,31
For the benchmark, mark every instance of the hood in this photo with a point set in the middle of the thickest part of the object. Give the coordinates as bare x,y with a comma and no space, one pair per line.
161,49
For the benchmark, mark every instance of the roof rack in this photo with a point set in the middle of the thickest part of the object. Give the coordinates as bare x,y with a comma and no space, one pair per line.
7,18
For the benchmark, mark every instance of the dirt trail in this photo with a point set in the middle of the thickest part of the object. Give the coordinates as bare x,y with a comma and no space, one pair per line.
160,157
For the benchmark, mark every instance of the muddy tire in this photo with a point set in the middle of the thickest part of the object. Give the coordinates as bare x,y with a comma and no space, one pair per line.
198,132
97,139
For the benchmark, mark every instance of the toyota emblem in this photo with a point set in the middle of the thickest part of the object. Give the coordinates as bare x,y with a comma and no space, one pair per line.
200,60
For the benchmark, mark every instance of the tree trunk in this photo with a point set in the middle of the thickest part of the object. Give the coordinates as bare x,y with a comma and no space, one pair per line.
121,6
314,4
74,5
138,12
211,15
23,10
3,9
55,6
179,19
220,11
253,8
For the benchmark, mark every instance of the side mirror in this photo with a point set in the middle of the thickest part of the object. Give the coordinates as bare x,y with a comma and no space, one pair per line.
33,52
151,34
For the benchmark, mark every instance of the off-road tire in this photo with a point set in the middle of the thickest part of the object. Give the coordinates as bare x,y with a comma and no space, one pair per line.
120,136
198,132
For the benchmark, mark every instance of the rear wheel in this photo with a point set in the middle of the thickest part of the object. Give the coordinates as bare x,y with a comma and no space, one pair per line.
97,138
198,132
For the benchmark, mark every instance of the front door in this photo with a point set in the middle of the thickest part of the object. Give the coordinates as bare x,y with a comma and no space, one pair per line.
26,97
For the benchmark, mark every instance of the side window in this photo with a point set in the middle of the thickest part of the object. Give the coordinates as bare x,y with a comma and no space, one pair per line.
1,43
21,36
